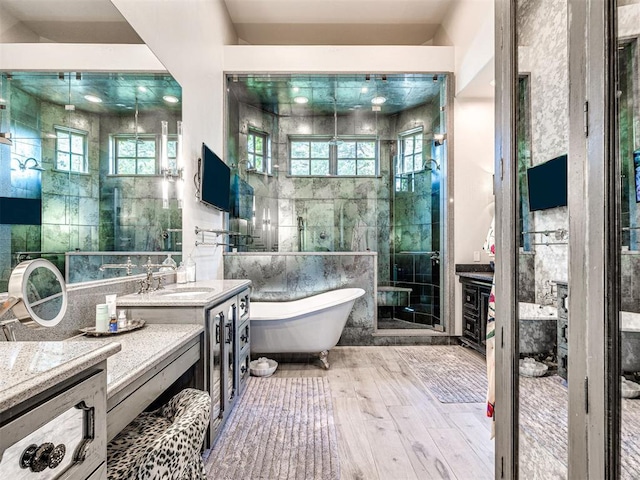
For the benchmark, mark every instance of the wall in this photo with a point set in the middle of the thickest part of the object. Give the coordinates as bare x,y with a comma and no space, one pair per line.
188,38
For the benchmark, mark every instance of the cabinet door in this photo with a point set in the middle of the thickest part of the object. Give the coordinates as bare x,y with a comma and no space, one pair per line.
215,319
230,380
484,309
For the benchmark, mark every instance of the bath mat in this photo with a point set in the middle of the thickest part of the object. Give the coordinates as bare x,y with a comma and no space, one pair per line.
453,374
281,428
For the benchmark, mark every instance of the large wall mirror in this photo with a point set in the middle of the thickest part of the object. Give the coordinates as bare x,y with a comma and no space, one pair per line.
81,179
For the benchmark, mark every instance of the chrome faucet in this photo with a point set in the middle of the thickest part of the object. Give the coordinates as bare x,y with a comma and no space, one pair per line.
548,296
127,266
146,284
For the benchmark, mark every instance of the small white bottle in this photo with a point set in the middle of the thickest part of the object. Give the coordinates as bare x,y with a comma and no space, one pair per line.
102,317
191,269
122,320
181,274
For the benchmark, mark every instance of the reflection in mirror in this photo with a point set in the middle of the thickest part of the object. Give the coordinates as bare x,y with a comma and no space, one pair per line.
44,293
84,170
542,135
628,13
345,163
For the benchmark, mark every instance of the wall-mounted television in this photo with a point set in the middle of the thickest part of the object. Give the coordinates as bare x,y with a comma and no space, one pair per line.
215,178
548,184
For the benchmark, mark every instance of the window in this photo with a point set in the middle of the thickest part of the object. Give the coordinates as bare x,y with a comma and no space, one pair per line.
258,151
320,156
138,155
410,159
71,150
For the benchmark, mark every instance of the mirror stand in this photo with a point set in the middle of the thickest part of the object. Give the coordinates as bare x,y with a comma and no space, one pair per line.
8,330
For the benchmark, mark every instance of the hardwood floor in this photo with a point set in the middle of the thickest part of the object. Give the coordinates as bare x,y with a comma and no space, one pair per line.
390,427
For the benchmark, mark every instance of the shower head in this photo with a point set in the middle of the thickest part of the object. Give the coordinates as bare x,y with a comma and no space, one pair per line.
427,165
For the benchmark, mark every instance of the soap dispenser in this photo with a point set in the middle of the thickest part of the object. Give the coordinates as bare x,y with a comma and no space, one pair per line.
168,265
181,274
191,269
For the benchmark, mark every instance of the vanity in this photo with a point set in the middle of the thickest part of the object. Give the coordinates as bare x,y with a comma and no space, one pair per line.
476,283
221,308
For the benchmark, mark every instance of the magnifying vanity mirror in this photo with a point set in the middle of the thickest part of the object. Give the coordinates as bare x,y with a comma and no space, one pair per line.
37,295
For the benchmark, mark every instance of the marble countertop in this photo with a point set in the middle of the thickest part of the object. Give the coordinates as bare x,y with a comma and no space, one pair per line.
141,350
485,276
195,294
29,368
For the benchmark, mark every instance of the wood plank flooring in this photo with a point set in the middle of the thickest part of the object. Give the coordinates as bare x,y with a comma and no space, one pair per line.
390,427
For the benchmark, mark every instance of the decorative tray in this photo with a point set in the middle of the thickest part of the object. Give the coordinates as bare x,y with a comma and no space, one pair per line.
131,325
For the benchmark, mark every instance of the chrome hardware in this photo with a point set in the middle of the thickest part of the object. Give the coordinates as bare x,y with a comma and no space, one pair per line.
243,369
127,266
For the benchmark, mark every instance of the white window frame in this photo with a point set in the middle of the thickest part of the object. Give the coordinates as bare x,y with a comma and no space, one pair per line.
266,150
333,159
114,158
404,178
72,132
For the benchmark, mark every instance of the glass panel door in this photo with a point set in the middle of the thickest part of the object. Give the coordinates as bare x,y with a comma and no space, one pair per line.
628,168
542,145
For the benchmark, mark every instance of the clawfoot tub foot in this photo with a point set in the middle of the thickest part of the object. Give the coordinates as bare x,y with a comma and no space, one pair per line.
324,359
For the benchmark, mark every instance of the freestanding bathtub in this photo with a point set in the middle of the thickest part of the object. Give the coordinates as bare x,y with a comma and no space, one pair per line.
309,325
630,341
537,327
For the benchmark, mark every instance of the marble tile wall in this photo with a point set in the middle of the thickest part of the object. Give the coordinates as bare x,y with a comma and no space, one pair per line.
542,27
85,267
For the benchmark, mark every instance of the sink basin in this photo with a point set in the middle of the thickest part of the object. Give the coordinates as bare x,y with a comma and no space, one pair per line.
185,293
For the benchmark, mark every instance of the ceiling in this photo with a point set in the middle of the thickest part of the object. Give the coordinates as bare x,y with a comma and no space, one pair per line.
259,22
337,22
118,92
276,93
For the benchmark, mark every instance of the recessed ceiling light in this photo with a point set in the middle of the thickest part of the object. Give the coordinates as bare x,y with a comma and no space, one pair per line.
2,100
120,105
296,89
93,99
364,89
170,99
378,100
492,83
143,89
301,100
51,135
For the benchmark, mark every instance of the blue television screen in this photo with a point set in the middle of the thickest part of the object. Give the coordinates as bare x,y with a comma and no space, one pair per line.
548,184
215,179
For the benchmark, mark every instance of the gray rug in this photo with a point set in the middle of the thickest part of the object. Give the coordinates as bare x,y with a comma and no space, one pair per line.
453,374
281,428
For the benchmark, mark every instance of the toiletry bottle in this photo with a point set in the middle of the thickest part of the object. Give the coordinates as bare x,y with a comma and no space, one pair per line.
168,265
181,274
102,317
113,324
111,310
122,320
191,269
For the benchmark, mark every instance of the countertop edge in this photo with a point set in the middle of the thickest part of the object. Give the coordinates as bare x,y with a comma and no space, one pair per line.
149,363
26,389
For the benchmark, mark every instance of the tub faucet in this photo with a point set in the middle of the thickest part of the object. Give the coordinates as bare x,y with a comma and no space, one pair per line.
548,296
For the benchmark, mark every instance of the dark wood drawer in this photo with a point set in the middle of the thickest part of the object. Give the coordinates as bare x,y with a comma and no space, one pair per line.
470,297
563,362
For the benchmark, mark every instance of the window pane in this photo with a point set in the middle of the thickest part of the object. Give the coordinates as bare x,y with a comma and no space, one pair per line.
408,146
77,163
300,150
62,161
126,148
408,163
251,161
319,167
146,148
299,167
172,149
320,149
347,150
418,144
126,166
259,145
250,143
346,167
366,167
64,142
367,150
77,144
259,163
146,166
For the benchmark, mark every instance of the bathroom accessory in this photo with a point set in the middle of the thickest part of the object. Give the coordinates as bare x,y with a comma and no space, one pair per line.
191,269
127,266
131,325
122,320
312,324
102,318
530,368
181,274
146,285
263,367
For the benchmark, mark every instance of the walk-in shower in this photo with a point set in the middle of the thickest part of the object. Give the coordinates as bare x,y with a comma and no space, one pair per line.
361,160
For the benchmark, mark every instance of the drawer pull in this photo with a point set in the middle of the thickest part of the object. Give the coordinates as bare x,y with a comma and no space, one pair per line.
244,337
243,369
39,458
57,455
27,455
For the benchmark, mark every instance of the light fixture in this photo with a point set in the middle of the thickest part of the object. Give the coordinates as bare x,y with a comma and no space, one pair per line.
379,100
171,174
301,100
2,100
438,139
364,89
92,99
170,99
492,83
143,89
295,89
